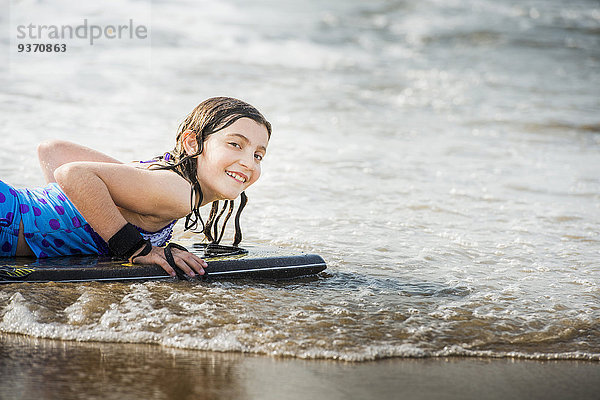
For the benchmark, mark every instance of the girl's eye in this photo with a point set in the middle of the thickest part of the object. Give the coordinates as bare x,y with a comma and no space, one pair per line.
258,157
236,145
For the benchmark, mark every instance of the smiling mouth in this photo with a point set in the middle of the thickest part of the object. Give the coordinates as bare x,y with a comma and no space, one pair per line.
238,177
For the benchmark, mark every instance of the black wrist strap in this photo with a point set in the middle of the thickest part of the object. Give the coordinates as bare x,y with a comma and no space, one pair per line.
145,251
171,260
126,242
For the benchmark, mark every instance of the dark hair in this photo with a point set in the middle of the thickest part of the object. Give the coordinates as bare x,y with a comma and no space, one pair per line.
208,117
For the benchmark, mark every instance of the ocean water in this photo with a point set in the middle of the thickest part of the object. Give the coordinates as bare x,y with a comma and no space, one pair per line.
442,156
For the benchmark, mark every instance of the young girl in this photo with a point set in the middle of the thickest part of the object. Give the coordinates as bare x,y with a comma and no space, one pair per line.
94,204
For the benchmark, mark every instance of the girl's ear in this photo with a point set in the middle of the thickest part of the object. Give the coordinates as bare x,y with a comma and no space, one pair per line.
190,145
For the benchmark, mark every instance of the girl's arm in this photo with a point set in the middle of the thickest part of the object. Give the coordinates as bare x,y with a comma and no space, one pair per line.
153,198
54,153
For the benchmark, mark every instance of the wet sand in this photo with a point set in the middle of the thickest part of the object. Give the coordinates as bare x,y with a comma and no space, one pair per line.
44,369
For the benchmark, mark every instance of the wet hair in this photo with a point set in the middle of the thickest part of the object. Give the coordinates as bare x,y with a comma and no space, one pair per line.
210,116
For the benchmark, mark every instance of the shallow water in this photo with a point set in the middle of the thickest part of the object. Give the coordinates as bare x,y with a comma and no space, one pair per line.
33,367
442,156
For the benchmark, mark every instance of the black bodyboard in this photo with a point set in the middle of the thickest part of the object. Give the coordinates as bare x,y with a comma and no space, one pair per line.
252,263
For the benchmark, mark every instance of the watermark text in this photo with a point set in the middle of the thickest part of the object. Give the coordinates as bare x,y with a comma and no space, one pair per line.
91,32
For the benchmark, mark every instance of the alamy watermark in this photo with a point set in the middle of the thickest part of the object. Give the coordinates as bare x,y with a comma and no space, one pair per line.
91,32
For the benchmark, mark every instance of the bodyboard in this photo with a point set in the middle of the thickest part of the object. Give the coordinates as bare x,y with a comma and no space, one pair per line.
253,263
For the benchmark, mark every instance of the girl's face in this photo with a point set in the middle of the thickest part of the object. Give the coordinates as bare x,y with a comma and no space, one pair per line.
230,161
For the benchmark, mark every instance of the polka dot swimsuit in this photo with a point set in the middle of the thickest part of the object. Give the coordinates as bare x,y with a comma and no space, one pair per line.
52,226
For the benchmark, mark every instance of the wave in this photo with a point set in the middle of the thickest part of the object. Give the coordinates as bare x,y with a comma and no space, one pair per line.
115,327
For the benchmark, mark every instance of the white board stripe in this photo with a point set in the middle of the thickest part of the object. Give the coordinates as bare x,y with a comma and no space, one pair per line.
263,269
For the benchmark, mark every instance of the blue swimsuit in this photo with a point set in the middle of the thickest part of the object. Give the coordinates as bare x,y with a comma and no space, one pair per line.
52,226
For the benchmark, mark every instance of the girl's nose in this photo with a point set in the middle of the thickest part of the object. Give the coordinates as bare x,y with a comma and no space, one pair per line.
247,160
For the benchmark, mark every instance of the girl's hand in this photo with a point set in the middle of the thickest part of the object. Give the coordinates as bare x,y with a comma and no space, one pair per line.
189,263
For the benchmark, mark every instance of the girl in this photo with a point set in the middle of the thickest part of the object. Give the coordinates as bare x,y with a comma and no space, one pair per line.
94,204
